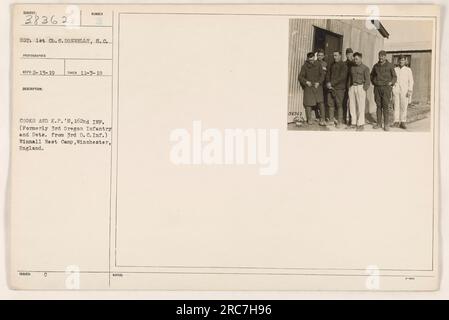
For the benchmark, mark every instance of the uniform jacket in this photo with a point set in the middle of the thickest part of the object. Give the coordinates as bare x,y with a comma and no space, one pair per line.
314,73
360,75
323,65
383,74
337,75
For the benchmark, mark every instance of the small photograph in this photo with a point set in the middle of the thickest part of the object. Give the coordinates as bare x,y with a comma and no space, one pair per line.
360,75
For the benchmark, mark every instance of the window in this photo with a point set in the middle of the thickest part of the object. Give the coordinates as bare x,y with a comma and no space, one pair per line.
408,58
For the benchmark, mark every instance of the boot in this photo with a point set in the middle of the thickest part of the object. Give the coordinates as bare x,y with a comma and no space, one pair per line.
379,119
317,113
331,115
309,115
322,114
386,119
340,116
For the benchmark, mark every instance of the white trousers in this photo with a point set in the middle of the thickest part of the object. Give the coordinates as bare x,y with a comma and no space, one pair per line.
400,105
357,100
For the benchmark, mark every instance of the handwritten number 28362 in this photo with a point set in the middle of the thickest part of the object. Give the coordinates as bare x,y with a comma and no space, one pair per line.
34,19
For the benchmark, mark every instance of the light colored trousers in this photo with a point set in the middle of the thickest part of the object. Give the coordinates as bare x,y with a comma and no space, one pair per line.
400,104
357,100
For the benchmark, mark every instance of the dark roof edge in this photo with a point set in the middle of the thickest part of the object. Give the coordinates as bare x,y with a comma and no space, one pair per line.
409,51
380,27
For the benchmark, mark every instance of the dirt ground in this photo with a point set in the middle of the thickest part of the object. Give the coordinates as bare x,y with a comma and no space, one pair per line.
418,118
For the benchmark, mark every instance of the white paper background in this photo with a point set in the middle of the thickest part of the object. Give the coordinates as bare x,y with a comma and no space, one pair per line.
4,145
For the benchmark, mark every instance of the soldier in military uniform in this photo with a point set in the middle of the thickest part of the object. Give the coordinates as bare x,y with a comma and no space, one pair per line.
336,82
320,55
349,63
383,78
360,82
311,78
402,92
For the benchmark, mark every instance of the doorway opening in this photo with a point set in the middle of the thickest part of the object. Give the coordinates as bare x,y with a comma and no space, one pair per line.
328,41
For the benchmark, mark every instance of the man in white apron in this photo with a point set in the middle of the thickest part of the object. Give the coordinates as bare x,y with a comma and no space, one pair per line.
402,93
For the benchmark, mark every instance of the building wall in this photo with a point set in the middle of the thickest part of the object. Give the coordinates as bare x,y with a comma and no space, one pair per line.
355,35
421,65
300,42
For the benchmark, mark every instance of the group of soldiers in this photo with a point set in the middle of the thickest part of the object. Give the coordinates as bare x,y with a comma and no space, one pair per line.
344,85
